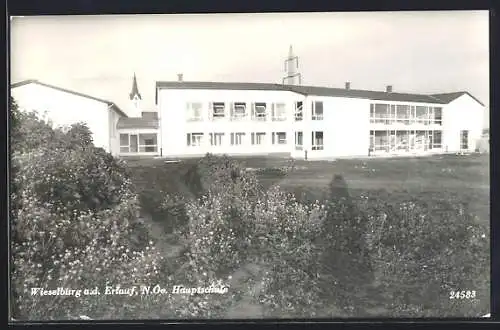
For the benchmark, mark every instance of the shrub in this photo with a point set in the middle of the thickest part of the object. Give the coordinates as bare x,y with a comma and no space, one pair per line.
285,241
423,251
236,223
73,224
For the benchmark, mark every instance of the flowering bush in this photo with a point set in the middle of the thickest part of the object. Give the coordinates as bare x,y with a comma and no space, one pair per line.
421,252
236,223
73,224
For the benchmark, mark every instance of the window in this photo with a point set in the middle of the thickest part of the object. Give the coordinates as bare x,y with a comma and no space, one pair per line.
403,114
381,113
218,110
148,142
259,111
279,138
194,111
422,115
130,143
402,140
238,110
258,138
298,111
194,139
464,140
299,140
237,139
437,143
317,141
381,140
124,143
279,111
317,110
438,116
216,139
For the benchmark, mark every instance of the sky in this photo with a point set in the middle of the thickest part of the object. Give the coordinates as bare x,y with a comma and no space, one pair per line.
415,52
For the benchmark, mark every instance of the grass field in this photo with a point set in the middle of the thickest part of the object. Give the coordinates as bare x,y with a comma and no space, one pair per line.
466,177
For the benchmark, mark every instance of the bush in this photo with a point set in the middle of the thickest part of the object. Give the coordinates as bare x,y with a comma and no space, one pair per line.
73,224
236,223
423,251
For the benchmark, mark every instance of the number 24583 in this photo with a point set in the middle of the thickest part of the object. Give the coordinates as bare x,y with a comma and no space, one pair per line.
462,294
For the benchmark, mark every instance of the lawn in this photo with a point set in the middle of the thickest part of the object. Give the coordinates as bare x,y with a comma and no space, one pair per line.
467,177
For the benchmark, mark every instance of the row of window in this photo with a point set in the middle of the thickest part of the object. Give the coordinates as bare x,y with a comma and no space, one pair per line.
256,138
258,111
381,113
143,142
404,140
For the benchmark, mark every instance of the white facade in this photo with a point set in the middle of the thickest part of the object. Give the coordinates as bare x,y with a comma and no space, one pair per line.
346,127
64,108
463,114
268,119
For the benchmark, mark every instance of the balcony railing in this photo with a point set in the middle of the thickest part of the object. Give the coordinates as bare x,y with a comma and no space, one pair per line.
404,121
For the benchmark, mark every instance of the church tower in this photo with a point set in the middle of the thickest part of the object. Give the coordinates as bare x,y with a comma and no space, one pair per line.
136,98
292,76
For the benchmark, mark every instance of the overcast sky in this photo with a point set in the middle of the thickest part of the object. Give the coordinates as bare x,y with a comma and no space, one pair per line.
421,52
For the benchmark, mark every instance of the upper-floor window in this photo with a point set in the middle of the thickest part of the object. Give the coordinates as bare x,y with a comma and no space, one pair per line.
194,111
317,110
259,111
279,138
218,110
238,110
237,139
438,116
258,138
298,111
216,139
194,139
279,111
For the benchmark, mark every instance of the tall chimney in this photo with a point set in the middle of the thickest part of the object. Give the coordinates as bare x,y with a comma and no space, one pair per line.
388,89
347,85
179,77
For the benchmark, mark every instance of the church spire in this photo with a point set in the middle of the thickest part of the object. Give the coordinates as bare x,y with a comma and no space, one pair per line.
135,91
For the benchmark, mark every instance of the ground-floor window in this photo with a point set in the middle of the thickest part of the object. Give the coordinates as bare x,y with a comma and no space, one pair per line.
299,140
194,139
317,141
141,142
404,140
258,138
279,138
464,140
237,139
216,139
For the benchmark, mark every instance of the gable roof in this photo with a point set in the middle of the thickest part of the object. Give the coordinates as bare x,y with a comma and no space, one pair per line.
448,97
34,81
311,90
137,122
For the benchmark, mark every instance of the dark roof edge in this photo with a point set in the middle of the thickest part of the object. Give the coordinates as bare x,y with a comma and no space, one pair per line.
35,81
289,88
473,97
